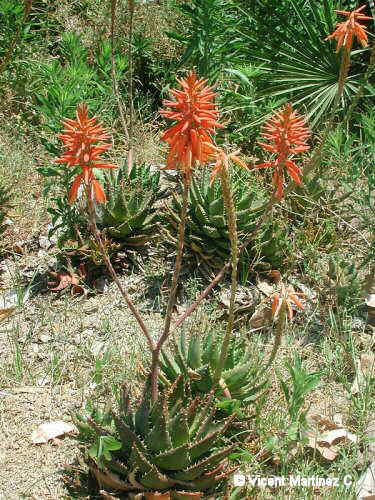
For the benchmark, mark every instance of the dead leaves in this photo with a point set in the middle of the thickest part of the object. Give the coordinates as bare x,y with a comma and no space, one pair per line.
69,279
326,434
268,309
257,300
49,431
245,300
364,370
5,313
366,484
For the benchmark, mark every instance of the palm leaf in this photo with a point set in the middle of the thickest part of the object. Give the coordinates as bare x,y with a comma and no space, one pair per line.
304,69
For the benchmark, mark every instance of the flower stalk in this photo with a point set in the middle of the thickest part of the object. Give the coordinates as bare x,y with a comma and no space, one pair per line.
131,6
232,227
280,327
172,294
345,35
107,261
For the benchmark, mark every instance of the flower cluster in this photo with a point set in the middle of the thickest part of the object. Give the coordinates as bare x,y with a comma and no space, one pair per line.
195,111
222,161
286,296
287,133
80,138
346,31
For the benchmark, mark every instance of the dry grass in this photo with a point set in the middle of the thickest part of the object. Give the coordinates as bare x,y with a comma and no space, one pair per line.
19,159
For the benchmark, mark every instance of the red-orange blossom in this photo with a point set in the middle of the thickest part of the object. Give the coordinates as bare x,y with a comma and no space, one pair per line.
346,31
196,114
80,138
287,134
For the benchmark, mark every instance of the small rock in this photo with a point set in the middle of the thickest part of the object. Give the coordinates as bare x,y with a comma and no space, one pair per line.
44,242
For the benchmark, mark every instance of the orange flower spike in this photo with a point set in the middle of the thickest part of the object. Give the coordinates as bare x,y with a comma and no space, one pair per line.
287,134
80,138
197,118
287,295
346,31
222,161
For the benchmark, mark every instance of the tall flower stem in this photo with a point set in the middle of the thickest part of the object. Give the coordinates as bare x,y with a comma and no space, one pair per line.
95,231
280,326
232,227
344,70
131,4
227,265
172,293
345,34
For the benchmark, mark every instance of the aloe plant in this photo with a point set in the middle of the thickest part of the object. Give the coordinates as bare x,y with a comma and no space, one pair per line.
197,359
207,233
130,215
174,445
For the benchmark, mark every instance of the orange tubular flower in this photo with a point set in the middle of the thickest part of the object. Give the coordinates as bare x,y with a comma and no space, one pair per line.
346,31
190,140
287,133
289,297
80,138
222,161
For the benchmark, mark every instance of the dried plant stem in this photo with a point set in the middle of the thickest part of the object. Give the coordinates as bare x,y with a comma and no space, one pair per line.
232,229
280,325
172,294
114,77
94,229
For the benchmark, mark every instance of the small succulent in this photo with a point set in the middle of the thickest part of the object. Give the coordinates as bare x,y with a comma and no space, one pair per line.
172,446
206,227
129,214
197,359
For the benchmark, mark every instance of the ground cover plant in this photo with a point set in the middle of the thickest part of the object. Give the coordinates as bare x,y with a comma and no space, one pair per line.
187,258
